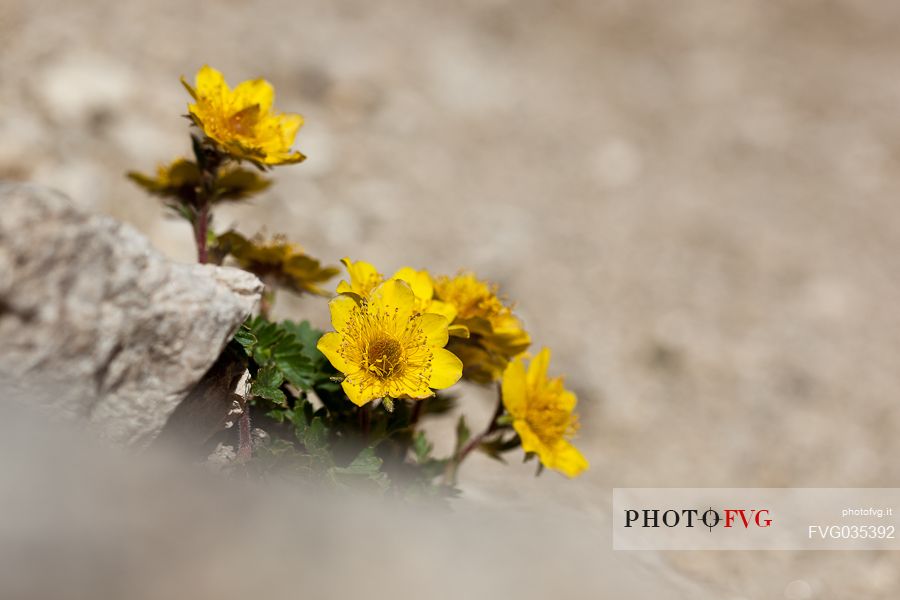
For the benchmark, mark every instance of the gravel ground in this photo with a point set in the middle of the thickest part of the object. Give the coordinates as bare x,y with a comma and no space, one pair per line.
693,203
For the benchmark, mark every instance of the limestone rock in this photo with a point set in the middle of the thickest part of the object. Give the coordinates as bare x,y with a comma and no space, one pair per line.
98,326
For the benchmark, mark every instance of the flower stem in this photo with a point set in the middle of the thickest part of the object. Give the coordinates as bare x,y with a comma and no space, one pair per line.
209,159
416,413
456,461
200,232
365,421
245,447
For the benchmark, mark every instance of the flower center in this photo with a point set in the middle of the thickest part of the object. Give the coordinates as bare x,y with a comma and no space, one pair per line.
244,121
383,356
549,421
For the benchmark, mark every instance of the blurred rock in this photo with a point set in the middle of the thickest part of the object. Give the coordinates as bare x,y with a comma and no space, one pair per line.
99,327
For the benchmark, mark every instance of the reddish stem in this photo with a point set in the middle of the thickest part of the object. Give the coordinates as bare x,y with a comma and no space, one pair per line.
200,233
456,461
476,441
245,447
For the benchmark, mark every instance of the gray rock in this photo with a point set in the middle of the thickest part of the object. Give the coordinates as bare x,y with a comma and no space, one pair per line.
96,325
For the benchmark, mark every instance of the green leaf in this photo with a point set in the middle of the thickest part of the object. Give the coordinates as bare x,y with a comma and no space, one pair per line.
365,463
266,385
270,377
269,393
496,447
308,337
422,447
246,338
462,433
289,359
314,436
504,420
366,467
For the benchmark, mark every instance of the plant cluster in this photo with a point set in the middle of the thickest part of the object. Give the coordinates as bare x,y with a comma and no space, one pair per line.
346,406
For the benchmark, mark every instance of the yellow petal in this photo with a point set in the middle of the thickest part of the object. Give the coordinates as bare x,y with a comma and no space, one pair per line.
356,392
330,345
446,369
444,308
537,370
460,331
514,389
343,287
435,329
363,276
530,441
393,297
290,125
342,308
568,460
420,282
210,83
257,92
567,401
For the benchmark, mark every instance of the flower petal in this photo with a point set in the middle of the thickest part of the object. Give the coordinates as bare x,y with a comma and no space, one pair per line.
446,369
443,308
290,124
460,331
258,92
537,370
514,390
393,297
342,308
530,441
210,83
435,329
420,282
358,393
363,276
568,460
330,345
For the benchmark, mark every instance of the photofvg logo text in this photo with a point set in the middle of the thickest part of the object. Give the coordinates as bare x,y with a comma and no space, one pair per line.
755,519
729,518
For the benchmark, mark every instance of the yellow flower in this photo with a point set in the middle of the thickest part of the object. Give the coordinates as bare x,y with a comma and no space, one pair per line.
496,334
182,179
386,348
364,278
276,261
242,121
542,413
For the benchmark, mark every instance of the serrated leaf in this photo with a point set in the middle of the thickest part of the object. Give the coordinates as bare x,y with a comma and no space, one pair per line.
314,436
296,367
269,393
421,447
246,338
308,337
270,377
365,463
366,467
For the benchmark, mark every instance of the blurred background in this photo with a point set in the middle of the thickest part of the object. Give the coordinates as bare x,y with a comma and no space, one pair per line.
694,204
